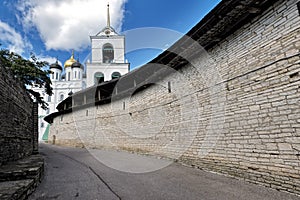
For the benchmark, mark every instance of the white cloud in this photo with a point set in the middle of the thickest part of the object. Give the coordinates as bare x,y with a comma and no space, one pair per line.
12,40
67,24
48,59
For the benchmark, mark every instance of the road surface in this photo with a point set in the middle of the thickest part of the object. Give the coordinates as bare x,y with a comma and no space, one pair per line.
73,173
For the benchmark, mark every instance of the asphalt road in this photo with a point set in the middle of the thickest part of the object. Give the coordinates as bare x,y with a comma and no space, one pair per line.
74,173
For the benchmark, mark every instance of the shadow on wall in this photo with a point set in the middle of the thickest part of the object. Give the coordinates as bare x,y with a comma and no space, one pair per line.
18,115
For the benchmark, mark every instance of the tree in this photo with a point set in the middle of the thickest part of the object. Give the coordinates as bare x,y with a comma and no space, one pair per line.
30,72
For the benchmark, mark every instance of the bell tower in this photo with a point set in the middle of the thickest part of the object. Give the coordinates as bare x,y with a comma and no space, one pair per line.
107,56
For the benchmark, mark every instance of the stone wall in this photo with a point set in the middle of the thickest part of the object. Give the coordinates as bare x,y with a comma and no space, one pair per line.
17,138
234,109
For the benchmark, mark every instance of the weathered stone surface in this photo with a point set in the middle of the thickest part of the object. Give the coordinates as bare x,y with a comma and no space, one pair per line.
19,178
27,168
16,190
17,138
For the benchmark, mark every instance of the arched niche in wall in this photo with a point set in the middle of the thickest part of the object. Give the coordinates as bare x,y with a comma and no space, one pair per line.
61,96
108,53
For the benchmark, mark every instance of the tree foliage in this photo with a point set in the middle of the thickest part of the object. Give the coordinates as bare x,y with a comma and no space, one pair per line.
29,72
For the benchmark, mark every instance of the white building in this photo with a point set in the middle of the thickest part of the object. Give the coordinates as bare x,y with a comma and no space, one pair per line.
107,62
108,56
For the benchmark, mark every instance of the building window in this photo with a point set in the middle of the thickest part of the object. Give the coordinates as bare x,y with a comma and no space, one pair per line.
98,78
42,124
52,75
56,76
79,75
75,74
62,97
115,75
49,98
69,76
108,53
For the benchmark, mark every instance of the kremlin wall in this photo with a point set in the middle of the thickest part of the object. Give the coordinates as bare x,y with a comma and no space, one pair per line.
19,117
227,103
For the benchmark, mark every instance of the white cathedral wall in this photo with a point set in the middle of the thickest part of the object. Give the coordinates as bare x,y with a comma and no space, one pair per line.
59,88
56,76
77,74
68,71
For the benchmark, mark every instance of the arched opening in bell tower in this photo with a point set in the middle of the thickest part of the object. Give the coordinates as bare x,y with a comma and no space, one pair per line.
108,53
98,78
115,75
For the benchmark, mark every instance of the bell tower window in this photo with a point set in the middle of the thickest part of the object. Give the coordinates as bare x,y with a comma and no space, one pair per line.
108,53
98,78
115,75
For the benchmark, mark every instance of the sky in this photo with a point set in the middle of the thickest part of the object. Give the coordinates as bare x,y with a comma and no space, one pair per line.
52,28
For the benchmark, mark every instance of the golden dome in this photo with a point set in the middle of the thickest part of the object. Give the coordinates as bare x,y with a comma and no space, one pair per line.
69,62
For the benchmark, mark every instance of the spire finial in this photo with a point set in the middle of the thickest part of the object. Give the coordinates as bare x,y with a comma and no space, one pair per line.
72,53
108,16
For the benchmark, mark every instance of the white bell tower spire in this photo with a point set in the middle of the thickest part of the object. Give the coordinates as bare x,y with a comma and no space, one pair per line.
108,55
108,16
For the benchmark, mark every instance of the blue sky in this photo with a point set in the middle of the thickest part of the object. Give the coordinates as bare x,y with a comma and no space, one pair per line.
52,28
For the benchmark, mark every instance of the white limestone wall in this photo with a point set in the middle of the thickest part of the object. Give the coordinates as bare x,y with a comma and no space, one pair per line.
235,111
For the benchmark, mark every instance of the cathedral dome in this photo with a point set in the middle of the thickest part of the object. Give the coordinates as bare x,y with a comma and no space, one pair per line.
55,66
70,62
77,65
